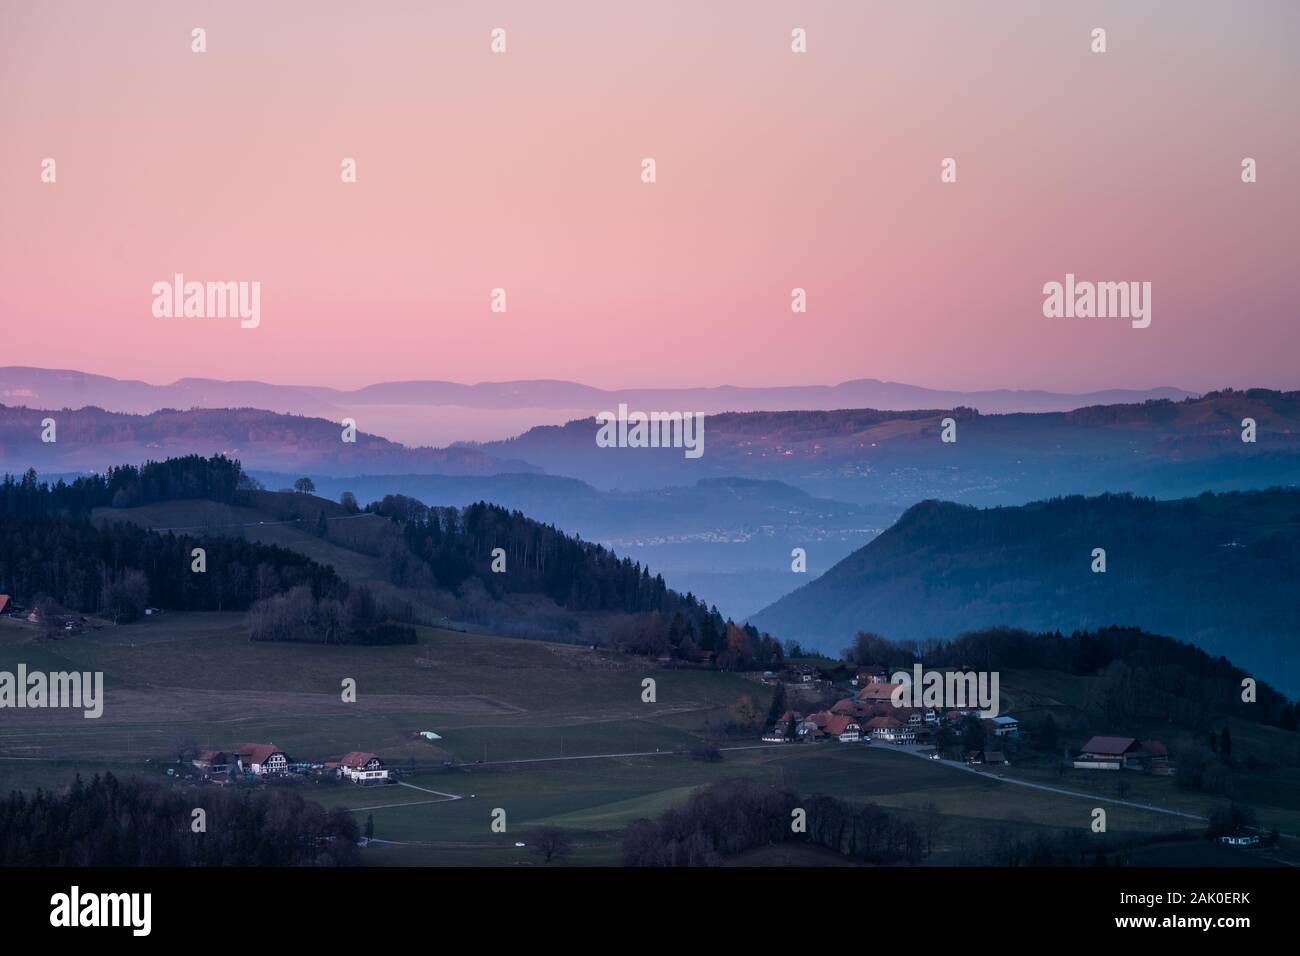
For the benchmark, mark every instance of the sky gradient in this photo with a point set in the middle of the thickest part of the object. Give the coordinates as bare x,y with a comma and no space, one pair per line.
775,170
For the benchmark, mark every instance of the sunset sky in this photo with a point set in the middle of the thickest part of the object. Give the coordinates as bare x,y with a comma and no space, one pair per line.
775,170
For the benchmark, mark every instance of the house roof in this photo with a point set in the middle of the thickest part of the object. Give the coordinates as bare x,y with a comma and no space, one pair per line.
880,691
1155,748
846,706
883,722
257,753
1005,720
356,758
4,599
839,723
1110,746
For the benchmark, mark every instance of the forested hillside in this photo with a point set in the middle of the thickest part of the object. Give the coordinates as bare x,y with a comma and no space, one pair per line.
1219,571
55,559
456,545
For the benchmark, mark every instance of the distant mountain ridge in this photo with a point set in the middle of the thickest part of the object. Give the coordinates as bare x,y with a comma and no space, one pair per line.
1218,571
440,412
91,439
1159,447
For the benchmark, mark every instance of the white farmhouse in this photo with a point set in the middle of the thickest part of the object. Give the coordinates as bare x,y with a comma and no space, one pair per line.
362,767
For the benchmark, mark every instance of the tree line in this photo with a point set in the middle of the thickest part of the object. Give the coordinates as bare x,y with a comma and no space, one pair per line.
191,476
119,569
735,815
109,822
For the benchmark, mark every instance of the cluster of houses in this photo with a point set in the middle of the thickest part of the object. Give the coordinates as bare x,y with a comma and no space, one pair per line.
872,715
264,761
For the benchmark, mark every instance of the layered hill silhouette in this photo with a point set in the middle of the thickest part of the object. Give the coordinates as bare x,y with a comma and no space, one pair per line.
1163,448
92,439
1218,571
440,412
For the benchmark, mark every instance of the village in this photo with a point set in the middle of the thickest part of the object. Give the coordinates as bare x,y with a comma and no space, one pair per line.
871,715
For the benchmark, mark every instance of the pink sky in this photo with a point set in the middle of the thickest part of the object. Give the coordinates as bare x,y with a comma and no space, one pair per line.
776,170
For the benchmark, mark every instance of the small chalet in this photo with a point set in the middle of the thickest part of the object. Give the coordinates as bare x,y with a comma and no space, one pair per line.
362,767
913,717
845,729
874,674
262,760
890,729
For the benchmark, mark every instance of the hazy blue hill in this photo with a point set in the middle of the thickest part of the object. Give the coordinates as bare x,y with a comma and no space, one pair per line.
877,456
1219,571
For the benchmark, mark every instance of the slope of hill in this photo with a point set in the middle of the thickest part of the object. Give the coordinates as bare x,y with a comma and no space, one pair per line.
1218,571
727,538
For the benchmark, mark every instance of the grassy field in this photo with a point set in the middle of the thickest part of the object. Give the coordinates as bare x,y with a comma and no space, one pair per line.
595,800
499,700
488,698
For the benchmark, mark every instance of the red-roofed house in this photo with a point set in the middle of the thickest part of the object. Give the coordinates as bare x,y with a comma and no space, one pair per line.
262,759
845,728
1127,753
4,602
878,692
360,766
887,728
